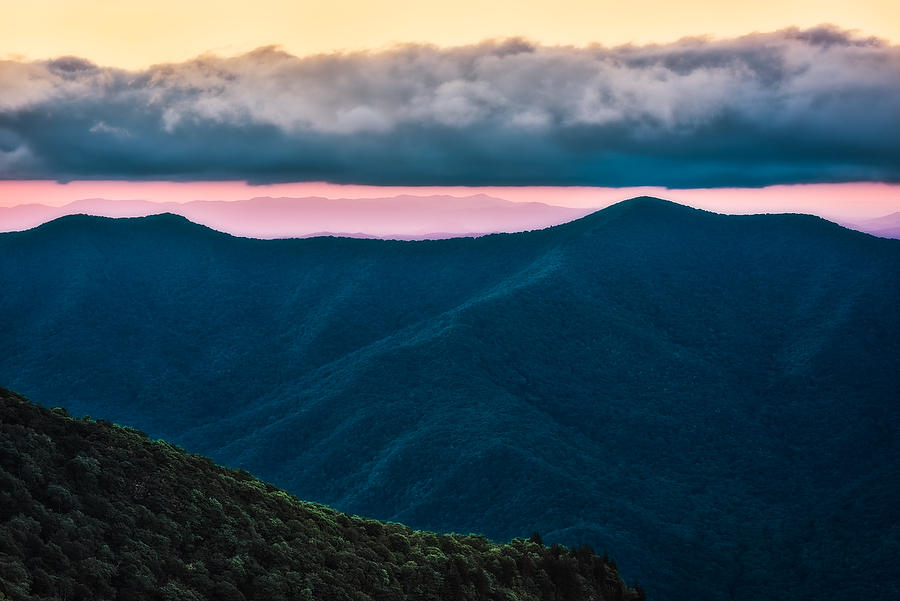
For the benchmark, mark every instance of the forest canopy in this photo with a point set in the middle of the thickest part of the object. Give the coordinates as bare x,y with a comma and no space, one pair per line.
92,510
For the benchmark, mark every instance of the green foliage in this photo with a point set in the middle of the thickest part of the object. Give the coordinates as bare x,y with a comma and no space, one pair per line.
105,513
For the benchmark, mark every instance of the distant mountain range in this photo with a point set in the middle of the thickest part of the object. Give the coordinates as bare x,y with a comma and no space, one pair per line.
402,217
95,511
712,399
883,227
398,217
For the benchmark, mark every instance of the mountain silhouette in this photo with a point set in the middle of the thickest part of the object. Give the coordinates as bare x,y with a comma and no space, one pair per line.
710,398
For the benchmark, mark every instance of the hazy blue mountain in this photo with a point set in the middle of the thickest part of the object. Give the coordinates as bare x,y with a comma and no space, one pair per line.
712,399
887,226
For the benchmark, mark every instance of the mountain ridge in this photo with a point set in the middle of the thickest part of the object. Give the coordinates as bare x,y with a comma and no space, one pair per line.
195,530
685,383
645,206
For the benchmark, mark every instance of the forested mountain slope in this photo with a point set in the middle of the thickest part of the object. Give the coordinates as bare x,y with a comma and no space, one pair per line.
712,399
95,511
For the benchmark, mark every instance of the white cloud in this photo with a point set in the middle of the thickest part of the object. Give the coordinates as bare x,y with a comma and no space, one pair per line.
805,94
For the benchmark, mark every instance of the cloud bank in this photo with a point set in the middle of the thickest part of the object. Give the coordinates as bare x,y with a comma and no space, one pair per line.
820,105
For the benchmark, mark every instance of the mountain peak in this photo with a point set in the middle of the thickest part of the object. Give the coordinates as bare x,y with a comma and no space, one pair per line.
653,204
84,220
640,209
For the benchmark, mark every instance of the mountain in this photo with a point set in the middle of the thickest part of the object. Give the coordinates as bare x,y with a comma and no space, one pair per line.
711,399
884,227
399,217
97,511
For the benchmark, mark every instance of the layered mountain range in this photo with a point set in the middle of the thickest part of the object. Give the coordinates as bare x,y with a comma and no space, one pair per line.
402,217
883,227
712,399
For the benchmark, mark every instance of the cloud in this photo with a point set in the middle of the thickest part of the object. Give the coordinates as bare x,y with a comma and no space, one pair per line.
102,128
817,105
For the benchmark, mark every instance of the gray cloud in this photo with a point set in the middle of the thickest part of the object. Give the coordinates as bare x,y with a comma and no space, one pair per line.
792,106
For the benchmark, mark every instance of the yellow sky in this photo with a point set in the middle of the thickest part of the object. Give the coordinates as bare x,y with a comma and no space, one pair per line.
133,34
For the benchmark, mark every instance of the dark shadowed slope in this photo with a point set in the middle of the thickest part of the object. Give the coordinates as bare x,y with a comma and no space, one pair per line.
710,398
89,510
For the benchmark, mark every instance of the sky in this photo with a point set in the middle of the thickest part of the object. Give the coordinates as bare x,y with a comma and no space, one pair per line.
135,35
571,102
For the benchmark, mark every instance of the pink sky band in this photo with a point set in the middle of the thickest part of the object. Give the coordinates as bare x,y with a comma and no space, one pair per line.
846,201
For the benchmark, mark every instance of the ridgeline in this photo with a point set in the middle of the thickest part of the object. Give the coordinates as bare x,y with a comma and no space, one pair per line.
90,511
712,399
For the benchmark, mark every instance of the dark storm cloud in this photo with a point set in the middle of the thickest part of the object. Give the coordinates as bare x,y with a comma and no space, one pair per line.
818,105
